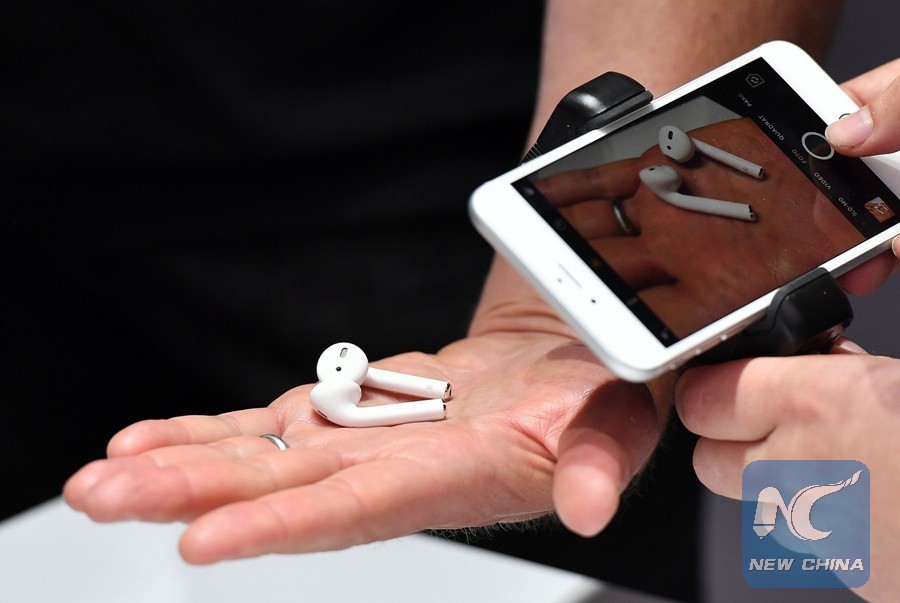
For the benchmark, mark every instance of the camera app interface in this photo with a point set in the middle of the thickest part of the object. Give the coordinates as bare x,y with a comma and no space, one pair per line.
719,198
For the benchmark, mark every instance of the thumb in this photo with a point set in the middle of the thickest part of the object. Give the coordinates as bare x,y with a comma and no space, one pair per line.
872,130
591,472
599,451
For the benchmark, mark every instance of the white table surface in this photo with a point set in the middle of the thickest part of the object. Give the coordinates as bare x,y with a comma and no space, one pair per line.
53,554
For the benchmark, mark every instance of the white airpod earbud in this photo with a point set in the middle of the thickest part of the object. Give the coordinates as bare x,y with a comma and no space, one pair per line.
665,182
337,399
350,362
344,367
678,146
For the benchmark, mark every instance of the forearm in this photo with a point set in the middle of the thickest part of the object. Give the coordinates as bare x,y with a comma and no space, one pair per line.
663,43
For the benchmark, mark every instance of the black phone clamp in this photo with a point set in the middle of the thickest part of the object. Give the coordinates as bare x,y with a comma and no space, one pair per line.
807,314
588,107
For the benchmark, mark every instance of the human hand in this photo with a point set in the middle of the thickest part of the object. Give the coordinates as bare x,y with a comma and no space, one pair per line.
668,262
835,406
536,423
875,128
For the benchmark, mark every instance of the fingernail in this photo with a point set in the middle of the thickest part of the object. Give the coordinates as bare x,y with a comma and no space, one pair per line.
895,246
846,345
850,131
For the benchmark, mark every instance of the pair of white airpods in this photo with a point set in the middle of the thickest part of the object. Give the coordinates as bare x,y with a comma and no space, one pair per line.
343,368
665,182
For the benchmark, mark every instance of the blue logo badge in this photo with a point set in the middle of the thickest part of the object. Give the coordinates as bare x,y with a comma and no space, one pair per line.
805,524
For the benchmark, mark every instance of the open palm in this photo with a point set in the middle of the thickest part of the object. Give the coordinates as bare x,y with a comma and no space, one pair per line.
535,424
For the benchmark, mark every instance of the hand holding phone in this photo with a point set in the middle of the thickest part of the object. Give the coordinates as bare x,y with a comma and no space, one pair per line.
638,266
858,134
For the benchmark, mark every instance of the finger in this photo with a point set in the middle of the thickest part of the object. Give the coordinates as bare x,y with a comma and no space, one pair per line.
720,465
137,488
594,220
224,451
629,259
846,346
866,278
731,401
364,503
866,87
612,180
196,429
871,130
747,400
677,307
594,467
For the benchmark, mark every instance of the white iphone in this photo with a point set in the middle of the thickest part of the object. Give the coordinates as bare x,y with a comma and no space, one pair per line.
663,234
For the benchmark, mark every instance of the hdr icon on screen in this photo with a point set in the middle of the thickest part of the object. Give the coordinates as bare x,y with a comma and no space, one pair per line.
805,524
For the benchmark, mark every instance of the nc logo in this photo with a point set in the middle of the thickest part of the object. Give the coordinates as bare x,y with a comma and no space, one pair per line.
797,512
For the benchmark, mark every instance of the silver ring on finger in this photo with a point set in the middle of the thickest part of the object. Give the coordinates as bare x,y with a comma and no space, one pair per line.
624,223
277,440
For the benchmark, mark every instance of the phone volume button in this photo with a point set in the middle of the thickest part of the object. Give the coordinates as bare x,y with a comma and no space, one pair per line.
569,276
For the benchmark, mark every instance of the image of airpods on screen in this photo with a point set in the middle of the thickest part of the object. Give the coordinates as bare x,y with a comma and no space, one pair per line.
665,182
343,369
678,146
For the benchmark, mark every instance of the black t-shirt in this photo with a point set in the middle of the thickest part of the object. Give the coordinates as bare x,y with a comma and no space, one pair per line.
304,111
200,197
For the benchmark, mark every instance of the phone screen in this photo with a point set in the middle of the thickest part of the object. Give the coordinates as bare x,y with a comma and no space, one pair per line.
679,269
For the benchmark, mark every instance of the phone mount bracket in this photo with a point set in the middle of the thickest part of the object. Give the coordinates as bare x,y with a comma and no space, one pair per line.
807,315
588,107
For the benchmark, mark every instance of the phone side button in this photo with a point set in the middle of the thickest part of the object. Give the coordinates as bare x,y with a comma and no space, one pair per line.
710,345
567,276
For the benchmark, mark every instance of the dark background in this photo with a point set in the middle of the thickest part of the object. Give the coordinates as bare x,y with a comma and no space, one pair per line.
197,200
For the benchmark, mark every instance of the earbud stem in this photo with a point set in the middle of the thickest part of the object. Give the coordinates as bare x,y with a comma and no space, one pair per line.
398,413
715,207
411,385
729,159
347,414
